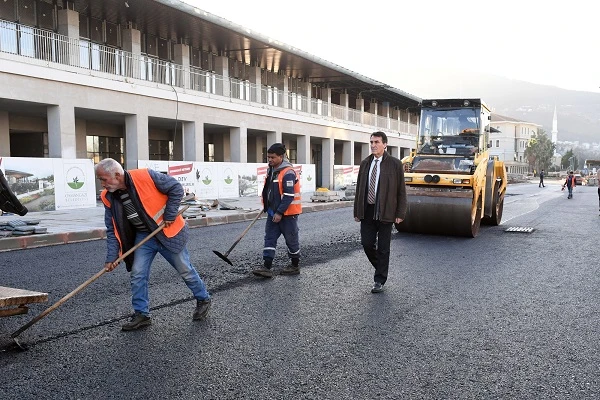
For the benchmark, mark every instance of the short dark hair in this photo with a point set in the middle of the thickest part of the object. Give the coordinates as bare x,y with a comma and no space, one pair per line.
380,134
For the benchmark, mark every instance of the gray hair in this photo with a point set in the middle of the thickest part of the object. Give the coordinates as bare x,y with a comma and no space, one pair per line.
109,166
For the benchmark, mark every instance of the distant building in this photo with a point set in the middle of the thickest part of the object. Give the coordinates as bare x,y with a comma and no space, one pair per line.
510,141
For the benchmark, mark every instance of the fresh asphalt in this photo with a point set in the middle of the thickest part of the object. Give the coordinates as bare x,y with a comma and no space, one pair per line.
505,315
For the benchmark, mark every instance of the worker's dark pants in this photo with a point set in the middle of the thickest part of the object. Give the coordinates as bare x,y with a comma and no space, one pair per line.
288,227
375,237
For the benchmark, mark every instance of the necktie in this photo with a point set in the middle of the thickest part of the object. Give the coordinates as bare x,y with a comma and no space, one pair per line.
372,182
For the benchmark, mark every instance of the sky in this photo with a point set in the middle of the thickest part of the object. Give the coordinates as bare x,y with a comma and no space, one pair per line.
399,42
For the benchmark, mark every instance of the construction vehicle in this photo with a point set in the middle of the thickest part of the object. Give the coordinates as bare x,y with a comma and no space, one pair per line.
452,183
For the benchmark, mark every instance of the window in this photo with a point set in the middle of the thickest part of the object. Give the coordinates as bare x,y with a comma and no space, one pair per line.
7,10
490,145
101,147
209,152
45,15
161,150
497,143
26,12
96,34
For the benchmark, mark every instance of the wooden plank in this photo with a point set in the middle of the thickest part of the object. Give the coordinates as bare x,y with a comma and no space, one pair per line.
15,297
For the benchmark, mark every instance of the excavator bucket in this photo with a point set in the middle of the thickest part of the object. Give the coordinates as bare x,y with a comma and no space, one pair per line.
8,200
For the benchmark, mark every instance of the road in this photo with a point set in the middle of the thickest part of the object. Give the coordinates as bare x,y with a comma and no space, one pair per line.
502,316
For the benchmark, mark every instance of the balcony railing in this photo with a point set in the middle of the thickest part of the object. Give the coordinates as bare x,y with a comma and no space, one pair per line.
34,43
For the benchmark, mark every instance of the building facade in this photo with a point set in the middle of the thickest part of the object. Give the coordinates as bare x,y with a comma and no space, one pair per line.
161,80
508,142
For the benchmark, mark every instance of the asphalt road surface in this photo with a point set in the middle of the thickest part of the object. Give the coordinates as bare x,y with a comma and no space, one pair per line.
503,316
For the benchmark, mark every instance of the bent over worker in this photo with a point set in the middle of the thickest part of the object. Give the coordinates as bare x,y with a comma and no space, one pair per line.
135,203
282,202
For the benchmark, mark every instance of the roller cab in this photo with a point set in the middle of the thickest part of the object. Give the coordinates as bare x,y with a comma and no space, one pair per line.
452,184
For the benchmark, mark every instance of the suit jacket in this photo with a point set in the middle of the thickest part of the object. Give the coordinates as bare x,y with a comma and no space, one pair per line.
390,199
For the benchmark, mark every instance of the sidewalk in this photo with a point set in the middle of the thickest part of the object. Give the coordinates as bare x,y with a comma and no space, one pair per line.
69,226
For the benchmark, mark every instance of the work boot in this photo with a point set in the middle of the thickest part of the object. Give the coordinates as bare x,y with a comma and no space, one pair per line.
292,269
137,321
263,272
201,311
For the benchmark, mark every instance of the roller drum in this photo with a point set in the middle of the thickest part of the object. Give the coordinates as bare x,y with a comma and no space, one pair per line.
439,215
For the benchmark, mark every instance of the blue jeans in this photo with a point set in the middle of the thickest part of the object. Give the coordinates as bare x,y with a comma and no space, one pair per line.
140,272
570,191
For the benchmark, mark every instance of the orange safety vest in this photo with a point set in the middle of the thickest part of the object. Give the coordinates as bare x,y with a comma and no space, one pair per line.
153,201
295,207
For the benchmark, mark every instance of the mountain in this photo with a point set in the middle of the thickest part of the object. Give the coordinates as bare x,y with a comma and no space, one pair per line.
578,113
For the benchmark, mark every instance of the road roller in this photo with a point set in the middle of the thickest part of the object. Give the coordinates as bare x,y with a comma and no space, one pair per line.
453,185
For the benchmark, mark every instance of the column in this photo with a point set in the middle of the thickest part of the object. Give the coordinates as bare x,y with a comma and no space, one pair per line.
360,106
132,43
365,150
4,134
326,98
68,25
239,144
385,112
222,68
182,57
286,92
255,78
136,140
303,142
274,137
344,102
327,163
193,141
373,109
348,153
260,145
61,132
306,92
81,138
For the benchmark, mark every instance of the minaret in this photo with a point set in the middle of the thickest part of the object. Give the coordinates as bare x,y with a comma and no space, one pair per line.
554,129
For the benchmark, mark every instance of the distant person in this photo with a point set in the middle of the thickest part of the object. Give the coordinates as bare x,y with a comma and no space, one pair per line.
282,202
541,179
135,203
598,183
570,184
380,201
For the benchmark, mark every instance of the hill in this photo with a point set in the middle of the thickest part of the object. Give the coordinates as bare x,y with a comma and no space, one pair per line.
578,112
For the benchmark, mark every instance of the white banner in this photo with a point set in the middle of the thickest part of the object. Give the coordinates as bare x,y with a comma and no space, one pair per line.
75,184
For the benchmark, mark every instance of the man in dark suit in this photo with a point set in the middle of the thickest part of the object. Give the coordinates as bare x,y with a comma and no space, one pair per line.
380,202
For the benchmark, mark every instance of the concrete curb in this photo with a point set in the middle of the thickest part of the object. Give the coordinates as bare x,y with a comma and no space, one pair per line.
52,239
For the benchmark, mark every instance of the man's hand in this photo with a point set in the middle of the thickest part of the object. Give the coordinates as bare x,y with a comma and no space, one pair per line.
398,220
356,219
168,223
109,266
277,217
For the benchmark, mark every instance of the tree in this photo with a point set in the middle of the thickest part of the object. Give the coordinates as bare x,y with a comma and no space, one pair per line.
539,151
569,160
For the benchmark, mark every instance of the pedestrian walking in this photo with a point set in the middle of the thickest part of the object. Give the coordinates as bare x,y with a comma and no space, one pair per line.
282,202
135,203
570,184
541,179
380,201
598,183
